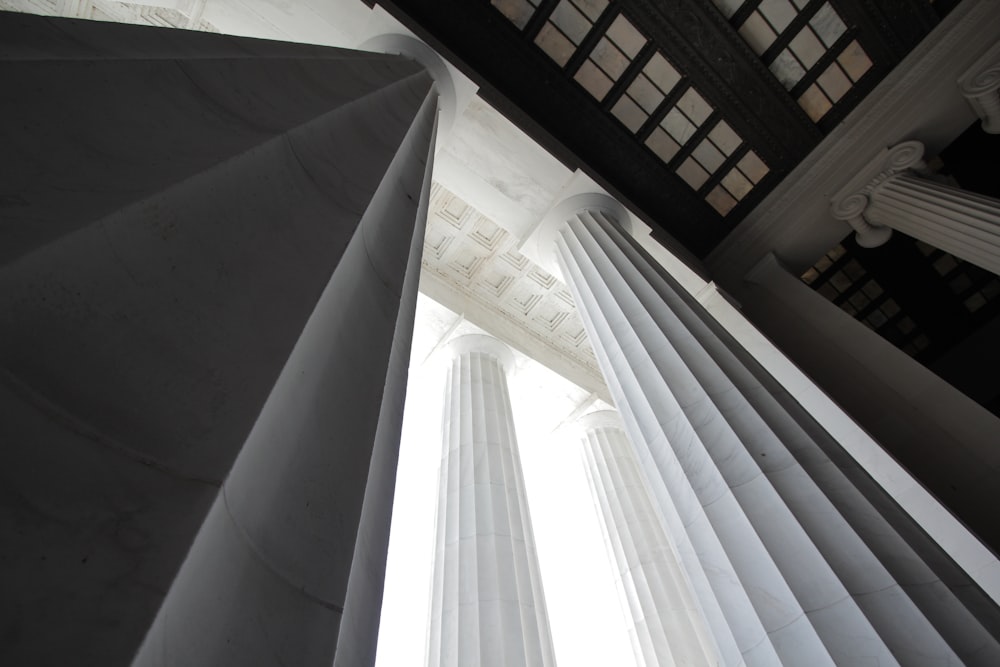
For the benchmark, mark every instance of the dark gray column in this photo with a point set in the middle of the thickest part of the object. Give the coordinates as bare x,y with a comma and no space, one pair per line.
211,259
101,115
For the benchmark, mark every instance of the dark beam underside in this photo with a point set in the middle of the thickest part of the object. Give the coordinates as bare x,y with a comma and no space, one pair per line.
524,84
695,35
521,82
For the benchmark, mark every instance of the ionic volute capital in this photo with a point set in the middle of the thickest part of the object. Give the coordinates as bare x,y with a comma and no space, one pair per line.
980,85
907,156
853,200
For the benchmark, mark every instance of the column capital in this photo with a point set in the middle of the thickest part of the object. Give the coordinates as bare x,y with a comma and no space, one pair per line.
980,85
482,344
540,245
601,419
850,202
437,68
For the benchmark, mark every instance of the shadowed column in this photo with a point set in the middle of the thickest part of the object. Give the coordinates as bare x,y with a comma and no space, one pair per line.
208,274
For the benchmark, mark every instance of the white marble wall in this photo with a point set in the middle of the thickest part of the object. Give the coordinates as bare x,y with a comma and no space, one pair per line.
487,605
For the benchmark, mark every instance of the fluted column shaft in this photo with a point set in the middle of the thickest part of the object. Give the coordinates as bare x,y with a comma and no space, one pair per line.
794,558
938,434
962,223
487,605
666,626
288,565
205,316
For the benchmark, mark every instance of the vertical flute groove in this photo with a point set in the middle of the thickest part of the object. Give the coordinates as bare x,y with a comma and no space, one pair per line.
498,601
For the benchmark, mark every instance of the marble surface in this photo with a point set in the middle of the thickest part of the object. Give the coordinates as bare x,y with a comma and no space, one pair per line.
481,157
472,266
512,207
487,604
756,489
657,597
127,333
305,486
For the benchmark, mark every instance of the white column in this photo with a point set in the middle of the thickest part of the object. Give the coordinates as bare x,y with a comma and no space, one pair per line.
890,195
794,559
665,622
487,606
938,434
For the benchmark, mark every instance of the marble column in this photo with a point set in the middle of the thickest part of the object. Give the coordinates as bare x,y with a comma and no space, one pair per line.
269,577
940,435
794,557
487,606
891,195
205,314
665,622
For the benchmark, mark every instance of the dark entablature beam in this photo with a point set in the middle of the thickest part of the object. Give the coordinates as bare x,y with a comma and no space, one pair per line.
529,88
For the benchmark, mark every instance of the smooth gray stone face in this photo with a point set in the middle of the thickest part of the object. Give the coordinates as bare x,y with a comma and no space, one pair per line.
173,206
98,115
942,437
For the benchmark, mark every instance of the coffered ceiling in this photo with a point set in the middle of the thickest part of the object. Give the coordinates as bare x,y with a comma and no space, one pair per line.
473,267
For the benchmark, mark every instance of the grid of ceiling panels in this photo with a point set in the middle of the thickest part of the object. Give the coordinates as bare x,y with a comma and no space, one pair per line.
975,287
806,45
518,11
622,70
841,279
